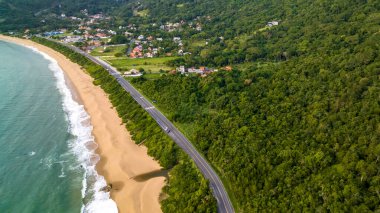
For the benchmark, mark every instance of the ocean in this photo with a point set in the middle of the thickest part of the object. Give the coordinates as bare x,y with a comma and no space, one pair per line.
47,151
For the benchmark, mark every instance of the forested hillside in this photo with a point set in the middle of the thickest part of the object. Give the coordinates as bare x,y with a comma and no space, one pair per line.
18,15
299,128
236,31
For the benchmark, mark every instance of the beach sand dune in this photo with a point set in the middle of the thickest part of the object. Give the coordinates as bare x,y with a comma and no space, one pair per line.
120,158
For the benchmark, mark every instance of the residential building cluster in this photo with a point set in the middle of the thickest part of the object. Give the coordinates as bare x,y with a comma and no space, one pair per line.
201,70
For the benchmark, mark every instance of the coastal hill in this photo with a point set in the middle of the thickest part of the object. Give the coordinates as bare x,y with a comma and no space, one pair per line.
291,118
46,14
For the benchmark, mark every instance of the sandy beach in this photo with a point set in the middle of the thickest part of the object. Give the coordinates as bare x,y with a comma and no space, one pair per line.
120,158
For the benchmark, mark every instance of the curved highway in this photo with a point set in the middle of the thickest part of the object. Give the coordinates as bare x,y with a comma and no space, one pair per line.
223,201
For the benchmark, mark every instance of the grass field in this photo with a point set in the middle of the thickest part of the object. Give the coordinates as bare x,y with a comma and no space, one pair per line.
198,43
142,13
110,50
153,65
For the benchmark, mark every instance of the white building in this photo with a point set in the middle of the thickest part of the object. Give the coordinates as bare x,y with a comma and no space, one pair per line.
272,23
177,39
181,69
132,73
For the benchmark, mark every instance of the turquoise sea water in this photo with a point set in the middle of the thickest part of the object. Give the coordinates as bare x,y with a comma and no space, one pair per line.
47,160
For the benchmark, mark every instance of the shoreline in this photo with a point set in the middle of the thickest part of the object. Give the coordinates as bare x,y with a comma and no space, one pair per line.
120,158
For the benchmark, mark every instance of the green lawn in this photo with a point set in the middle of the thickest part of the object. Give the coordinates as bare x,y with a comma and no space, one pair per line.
153,76
109,51
148,64
142,13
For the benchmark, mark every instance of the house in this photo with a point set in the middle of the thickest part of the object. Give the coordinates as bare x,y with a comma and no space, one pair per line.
75,18
70,39
228,68
159,39
97,43
53,33
127,34
141,37
177,39
194,70
111,32
132,73
101,35
136,52
140,48
97,16
272,23
181,69
149,55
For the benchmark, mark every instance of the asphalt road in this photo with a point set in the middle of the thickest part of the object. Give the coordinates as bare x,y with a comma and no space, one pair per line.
223,201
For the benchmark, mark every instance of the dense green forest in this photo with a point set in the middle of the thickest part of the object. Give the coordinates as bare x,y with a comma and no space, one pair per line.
299,128
186,189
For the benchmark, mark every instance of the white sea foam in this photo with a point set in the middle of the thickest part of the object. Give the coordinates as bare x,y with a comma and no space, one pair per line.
80,127
62,175
47,162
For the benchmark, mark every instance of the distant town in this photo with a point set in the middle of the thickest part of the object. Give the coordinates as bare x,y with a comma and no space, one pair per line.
127,42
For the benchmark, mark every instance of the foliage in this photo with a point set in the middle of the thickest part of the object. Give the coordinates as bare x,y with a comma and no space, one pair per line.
305,138
301,133
118,39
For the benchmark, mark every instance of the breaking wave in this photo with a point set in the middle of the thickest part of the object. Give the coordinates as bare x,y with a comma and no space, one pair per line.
95,199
